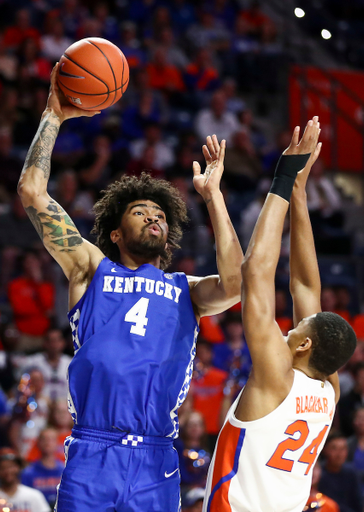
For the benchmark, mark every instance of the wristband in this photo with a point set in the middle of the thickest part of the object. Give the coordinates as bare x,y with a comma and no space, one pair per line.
285,174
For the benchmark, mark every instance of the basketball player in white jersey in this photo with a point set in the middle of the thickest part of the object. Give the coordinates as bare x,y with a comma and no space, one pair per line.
277,426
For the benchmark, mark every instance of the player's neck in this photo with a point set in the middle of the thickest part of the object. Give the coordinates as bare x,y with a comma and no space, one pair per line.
133,262
309,372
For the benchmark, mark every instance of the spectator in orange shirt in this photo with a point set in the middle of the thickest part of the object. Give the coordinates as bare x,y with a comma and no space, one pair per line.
16,34
208,390
163,76
32,301
201,74
61,420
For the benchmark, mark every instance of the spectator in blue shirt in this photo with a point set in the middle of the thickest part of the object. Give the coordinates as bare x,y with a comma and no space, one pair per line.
45,474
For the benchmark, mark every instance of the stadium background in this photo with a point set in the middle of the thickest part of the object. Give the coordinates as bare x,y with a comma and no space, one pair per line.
245,70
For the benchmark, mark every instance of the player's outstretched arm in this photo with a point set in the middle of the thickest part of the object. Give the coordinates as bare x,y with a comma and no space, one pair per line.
55,228
272,359
305,283
214,294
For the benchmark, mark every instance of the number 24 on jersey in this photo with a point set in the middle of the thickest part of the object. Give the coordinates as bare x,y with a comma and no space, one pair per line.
309,453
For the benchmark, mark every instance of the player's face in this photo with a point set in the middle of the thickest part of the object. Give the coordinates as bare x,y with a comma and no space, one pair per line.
144,229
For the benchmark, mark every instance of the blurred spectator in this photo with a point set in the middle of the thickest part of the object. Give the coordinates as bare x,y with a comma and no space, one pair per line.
78,204
32,300
45,474
208,32
30,412
10,165
21,497
141,11
326,212
191,447
233,102
328,299
55,42
233,355
354,399
318,501
164,76
175,55
346,373
343,302
72,14
32,67
255,18
108,23
130,45
146,162
16,231
339,479
356,445
61,421
216,120
193,500
8,63
16,34
4,419
242,165
163,156
183,15
53,364
207,387
136,117
97,166
201,75
250,215
282,318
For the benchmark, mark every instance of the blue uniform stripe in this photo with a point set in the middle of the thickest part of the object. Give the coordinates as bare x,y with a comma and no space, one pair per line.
233,472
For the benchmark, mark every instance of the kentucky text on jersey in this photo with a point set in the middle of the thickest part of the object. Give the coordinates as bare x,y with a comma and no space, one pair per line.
134,334
311,404
138,284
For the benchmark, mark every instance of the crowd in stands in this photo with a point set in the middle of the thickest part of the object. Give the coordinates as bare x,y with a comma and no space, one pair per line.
194,66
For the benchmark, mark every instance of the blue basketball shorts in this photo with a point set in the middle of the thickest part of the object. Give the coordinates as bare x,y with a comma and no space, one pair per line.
116,472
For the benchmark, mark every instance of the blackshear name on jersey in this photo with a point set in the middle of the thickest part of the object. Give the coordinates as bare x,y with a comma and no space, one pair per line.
140,284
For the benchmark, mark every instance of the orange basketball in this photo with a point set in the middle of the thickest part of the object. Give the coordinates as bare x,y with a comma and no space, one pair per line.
93,73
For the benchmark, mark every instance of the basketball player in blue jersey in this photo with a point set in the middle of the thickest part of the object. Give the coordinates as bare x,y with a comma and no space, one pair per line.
134,326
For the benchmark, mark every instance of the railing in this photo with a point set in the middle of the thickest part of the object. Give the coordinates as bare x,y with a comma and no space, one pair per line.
333,93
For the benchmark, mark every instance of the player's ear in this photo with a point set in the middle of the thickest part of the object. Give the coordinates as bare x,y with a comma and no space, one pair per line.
304,345
166,247
115,236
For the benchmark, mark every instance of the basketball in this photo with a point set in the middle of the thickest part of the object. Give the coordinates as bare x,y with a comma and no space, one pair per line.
93,73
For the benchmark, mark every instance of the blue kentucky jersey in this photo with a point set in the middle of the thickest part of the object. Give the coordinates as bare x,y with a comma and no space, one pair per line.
134,334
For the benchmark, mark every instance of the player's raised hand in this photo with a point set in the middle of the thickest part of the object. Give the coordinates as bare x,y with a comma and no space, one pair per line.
59,104
309,139
302,176
208,183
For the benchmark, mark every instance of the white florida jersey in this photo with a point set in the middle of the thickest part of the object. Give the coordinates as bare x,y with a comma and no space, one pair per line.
265,465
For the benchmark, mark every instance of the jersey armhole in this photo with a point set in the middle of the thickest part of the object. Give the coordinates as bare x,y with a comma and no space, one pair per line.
79,303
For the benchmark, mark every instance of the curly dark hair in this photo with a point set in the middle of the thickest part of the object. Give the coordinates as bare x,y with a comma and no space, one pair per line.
333,342
111,207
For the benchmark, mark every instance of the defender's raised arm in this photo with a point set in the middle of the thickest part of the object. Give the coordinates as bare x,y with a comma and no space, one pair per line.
214,294
271,357
76,256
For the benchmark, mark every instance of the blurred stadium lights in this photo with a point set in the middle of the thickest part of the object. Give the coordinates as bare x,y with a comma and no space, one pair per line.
299,12
326,34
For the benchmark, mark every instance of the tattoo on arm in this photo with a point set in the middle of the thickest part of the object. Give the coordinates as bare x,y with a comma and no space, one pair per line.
56,229
39,154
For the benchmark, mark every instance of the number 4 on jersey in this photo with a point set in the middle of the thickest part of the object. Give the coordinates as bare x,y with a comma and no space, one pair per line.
138,315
